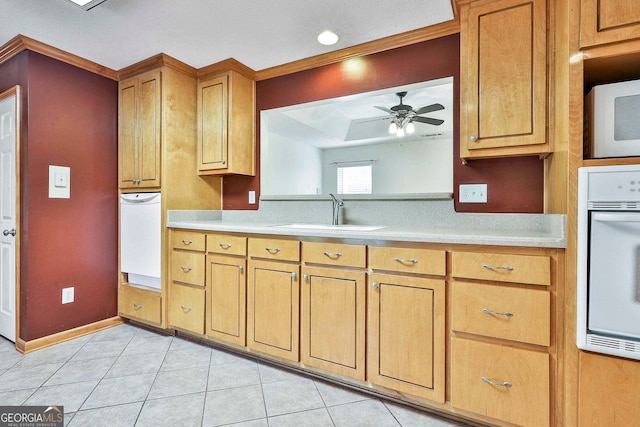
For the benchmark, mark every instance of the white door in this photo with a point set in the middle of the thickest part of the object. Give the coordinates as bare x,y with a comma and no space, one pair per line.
8,138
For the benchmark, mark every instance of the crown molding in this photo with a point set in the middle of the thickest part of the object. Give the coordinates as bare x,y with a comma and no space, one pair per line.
230,64
159,60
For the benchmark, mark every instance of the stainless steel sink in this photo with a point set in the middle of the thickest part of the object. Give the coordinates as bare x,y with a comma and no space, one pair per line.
344,227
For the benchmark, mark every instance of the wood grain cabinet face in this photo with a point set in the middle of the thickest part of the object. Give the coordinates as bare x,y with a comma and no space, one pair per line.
503,82
527,269
226,291
608,21
140,304
332,321
186,307
226,135
139,131
273,307
406,335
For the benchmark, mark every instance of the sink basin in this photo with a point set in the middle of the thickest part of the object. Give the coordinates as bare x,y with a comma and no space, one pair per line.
344,227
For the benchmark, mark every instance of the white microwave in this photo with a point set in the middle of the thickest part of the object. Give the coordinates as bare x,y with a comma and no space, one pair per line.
612,115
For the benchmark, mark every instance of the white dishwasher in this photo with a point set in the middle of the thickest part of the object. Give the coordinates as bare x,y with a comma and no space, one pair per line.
140,238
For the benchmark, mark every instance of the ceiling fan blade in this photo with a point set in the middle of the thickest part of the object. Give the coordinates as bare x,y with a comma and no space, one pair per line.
385,109
430,108
375,119
428,120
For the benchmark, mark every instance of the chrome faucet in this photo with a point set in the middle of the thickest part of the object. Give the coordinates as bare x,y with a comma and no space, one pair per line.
337,203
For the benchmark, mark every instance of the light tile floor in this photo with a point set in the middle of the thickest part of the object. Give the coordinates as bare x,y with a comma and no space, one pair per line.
127,375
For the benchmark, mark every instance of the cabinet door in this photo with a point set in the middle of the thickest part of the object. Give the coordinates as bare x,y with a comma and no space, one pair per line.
212,123
226,298
127,146
407,335
608,21
149,137
333,321
504,86
186,307
273,308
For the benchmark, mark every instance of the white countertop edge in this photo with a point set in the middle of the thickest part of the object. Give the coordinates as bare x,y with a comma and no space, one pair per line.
527,238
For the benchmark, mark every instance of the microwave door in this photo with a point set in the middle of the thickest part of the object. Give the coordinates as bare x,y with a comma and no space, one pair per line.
614,274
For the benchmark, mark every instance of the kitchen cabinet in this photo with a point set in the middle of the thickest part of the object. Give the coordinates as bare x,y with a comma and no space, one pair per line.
332,313
226,288
187,281
503,111
273,302
502,344
608,21
226,125
406,322
140,304
139,119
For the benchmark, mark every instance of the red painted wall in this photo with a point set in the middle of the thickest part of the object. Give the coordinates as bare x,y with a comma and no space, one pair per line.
72,121
514,185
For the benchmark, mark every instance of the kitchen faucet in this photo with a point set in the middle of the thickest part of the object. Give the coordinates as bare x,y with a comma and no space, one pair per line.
336,208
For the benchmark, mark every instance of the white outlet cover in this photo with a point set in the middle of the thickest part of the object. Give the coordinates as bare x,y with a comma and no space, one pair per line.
59,182
67,295
472,193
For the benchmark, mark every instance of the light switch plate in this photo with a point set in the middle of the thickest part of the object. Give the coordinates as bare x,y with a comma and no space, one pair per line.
252,197
59,182
67,295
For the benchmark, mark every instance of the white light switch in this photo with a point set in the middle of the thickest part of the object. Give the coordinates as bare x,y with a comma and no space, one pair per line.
252,197
59,182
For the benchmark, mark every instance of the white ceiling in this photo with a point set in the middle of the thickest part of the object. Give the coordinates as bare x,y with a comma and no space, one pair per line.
258,33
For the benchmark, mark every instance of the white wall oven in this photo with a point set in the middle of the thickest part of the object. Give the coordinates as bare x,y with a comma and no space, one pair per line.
608,315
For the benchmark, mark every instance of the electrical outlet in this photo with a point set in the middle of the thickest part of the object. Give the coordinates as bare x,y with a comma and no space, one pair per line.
252,197
473,193
67,295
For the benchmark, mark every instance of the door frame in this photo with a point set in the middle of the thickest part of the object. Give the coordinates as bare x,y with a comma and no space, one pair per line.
15,91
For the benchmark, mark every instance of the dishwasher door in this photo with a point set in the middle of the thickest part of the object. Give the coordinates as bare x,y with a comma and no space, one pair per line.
140,238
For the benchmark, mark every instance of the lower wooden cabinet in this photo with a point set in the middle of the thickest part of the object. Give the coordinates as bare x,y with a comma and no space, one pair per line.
186,307
506,383
140,304
332,322
406,335
273,303
226,298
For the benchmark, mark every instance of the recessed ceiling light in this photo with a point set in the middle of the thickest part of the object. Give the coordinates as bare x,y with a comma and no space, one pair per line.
87,4
328,38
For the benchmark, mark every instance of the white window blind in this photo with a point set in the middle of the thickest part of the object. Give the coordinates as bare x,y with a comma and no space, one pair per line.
354,180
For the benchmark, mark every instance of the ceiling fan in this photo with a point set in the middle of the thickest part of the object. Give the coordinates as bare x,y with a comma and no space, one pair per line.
403,116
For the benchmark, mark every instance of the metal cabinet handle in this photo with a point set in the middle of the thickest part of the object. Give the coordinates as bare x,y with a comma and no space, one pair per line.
185,269
406,261
473,138
293,276
137,306
502,384
224,245
187,242
330,255
493,267
186,309
240,268
496,313
272,250
305,277
374,285
7,232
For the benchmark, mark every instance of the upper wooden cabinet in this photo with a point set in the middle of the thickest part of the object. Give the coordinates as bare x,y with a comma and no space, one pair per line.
140,100
608,21
503,78
226,130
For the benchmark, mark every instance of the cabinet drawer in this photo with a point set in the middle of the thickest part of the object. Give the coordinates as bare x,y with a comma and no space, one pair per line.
286,250
334,254
186,308
188,240
531,269
484,310
187,267
524,402
408,260
140,304
226,244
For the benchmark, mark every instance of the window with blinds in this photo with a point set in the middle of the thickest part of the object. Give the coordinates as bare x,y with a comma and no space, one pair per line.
354,180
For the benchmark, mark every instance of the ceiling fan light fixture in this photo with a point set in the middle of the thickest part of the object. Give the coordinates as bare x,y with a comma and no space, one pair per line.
410,128
393,127
86,4
328,38
400,132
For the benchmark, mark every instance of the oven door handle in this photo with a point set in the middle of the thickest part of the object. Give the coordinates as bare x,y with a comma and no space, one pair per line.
611,217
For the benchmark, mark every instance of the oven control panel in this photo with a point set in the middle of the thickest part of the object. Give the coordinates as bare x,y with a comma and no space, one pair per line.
614,185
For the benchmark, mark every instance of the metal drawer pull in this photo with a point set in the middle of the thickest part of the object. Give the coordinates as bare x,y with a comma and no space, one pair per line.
374,285
491,267
330,255
502,384
240,268
185,269
187,242
495,313
225,245
272,250
406,261
186,309
137,306
293,276
305,277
